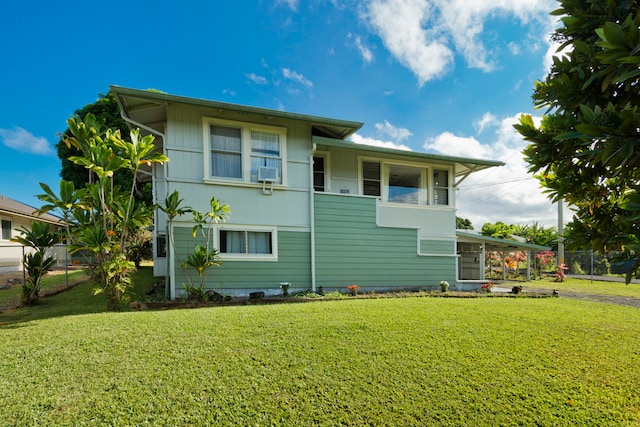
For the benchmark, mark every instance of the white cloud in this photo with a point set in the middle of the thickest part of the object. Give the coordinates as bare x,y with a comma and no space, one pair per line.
398,134
378,143
487,119
508,193
365,52
399,24
296,77
22,140
424,35
259,80
452,145
291,4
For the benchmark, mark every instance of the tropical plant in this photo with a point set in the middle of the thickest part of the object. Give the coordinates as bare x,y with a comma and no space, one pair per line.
203,257
105,213
37,264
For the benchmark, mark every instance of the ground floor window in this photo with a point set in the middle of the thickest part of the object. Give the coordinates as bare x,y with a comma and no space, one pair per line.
6,229
246,242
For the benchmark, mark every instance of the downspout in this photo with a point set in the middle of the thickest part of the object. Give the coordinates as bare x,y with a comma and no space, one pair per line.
312,219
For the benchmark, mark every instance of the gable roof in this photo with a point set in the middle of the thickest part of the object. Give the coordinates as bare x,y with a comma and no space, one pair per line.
11,207
148,107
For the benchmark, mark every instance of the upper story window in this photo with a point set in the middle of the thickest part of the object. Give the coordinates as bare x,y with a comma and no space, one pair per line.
405,183
440,187
6,229
371,178
244,152
319,173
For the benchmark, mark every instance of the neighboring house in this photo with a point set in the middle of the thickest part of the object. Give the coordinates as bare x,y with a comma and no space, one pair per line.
14,215
308,206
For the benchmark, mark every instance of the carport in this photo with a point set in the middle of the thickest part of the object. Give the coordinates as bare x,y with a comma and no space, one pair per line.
472,248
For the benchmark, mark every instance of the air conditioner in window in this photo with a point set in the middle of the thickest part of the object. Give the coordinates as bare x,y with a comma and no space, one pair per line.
267,174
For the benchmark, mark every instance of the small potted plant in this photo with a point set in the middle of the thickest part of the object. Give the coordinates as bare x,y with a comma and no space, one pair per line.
444,286
486,287
285,288
353,289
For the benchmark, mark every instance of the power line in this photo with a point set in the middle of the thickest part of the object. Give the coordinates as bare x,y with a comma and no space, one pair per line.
489,184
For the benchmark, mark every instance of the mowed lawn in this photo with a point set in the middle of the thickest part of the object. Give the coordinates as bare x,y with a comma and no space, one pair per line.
406,361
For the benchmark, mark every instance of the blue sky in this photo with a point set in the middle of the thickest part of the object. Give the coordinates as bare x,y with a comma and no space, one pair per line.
442,76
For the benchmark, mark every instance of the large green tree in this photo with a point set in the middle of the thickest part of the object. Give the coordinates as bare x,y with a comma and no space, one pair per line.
106,110
586,150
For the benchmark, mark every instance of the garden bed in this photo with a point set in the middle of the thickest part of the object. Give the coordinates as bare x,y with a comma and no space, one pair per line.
178,304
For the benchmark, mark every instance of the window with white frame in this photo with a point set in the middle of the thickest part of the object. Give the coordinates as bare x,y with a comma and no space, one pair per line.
244,152
371,178
405,183
249,243
6,229
440,187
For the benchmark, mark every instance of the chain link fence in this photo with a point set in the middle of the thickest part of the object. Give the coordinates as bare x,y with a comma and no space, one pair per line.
513,265
11,257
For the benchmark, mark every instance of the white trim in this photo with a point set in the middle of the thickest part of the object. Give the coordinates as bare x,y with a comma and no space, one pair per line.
245,135
326,155
273,256
8,218
426,178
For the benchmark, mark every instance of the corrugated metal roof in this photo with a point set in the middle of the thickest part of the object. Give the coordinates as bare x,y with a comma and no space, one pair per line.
495,243
147,107
464,166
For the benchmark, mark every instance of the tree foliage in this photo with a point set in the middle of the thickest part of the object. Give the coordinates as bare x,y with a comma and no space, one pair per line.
586,150
463,224
105,110
104,213
41,238
535,233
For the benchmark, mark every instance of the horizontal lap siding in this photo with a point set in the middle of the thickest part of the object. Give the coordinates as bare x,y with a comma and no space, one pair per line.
351,248
293,265
439,247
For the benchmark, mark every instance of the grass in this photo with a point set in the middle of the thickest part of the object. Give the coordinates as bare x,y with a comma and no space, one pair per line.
11,297
408,361
587,287
77,300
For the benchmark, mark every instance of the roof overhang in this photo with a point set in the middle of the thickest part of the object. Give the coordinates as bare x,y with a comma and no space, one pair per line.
463,166
10,207
497,244
149,108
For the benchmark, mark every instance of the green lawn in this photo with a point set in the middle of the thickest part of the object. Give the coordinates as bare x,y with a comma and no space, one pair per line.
406,361
11,297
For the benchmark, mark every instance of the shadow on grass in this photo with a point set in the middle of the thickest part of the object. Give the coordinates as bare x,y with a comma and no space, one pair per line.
79,299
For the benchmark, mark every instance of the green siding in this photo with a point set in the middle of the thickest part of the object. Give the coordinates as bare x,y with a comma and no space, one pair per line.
293,265
437,247
351,248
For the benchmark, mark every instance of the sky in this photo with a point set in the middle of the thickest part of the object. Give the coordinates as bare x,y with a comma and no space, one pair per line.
440,76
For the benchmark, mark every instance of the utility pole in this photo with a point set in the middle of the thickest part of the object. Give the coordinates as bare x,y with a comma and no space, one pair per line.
560,233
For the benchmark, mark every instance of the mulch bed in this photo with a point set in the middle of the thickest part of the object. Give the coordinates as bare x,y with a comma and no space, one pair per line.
177,304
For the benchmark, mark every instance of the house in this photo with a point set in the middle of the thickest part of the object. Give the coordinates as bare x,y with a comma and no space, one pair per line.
13,216
309,207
